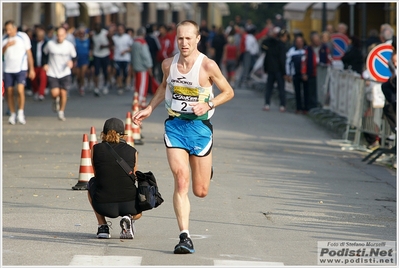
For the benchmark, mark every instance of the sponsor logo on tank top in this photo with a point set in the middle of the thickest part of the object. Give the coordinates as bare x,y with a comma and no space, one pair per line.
181,80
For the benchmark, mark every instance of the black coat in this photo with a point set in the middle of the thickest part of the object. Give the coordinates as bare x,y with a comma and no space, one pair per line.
353,59
34,53
275,55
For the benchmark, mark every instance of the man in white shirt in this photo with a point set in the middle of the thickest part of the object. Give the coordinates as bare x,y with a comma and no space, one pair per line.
101,43
60,56
17,56
122,47
250,54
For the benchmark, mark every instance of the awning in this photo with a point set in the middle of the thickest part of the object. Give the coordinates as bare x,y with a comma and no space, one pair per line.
331,7
109,8
162,6
93,9
121,7
295,11
71,9
223,8
176,6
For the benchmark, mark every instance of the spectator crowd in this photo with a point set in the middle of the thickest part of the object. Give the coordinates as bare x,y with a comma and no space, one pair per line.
115,58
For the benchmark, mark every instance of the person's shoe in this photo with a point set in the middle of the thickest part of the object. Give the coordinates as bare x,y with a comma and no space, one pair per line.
120,91
266,108
96,92
61,116
105,90
36,96
12,119
81,91
127,225
282,109
56,104
21,118
103,231
29,92
185,245
41,98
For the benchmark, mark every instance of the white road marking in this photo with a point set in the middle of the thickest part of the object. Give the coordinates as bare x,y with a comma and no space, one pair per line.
91,260
245,263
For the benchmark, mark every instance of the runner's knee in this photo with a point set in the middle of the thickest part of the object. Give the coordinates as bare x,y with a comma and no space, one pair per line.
181,180
200,191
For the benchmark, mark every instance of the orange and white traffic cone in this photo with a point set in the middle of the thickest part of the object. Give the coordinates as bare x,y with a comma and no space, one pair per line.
135,103
135,128
86,171
93,138
128,129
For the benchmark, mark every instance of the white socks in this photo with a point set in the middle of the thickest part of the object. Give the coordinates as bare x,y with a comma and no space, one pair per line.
185,231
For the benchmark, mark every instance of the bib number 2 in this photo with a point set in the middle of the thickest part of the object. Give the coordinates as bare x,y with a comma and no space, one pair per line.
182,106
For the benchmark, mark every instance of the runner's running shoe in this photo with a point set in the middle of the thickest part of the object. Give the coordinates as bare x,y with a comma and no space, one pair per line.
185,245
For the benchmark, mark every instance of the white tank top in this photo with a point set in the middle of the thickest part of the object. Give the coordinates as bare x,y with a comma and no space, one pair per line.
184,89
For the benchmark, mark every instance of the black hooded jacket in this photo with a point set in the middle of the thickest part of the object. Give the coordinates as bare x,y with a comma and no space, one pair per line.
275,55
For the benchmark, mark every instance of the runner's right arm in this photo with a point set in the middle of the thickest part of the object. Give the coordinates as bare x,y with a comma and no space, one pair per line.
159,96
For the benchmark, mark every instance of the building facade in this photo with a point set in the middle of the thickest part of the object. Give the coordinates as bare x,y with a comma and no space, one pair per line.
361,17
132,14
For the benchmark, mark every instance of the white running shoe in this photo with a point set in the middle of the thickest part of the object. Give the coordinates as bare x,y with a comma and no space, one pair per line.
128,229
12,119
21,118
96,92
61,115
105,90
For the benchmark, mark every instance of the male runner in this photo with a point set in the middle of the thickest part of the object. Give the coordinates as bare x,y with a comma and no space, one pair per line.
187,90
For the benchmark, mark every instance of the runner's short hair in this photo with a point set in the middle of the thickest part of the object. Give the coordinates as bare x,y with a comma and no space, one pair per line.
187,22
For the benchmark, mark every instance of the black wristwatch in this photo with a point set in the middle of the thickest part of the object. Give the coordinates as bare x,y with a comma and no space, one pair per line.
211,105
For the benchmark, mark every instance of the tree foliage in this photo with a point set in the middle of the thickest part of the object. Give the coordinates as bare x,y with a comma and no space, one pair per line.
258,12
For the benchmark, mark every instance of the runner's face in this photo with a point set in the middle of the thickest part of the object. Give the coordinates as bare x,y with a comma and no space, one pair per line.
61,35
11,30
187,39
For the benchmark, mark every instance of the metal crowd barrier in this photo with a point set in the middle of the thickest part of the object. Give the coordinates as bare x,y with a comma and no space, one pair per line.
346,103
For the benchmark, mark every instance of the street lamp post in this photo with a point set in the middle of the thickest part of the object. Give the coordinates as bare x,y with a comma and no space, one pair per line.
324,16
351,18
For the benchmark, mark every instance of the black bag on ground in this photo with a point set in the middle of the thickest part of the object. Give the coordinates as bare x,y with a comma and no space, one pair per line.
147,191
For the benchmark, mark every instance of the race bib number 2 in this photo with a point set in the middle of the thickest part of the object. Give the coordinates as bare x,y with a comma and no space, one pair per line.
182,104
182,99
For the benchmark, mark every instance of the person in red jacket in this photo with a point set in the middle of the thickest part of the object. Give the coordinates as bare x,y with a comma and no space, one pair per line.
230,59
316,53
166,48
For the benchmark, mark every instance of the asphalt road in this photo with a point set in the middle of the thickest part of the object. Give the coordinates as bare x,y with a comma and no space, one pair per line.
279,187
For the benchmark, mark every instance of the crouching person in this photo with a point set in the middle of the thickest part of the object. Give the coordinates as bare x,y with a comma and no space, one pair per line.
111,192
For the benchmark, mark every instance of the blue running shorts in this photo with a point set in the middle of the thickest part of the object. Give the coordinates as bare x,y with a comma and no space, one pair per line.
194,136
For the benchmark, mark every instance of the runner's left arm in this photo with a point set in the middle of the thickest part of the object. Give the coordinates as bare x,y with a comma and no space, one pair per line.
215,74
